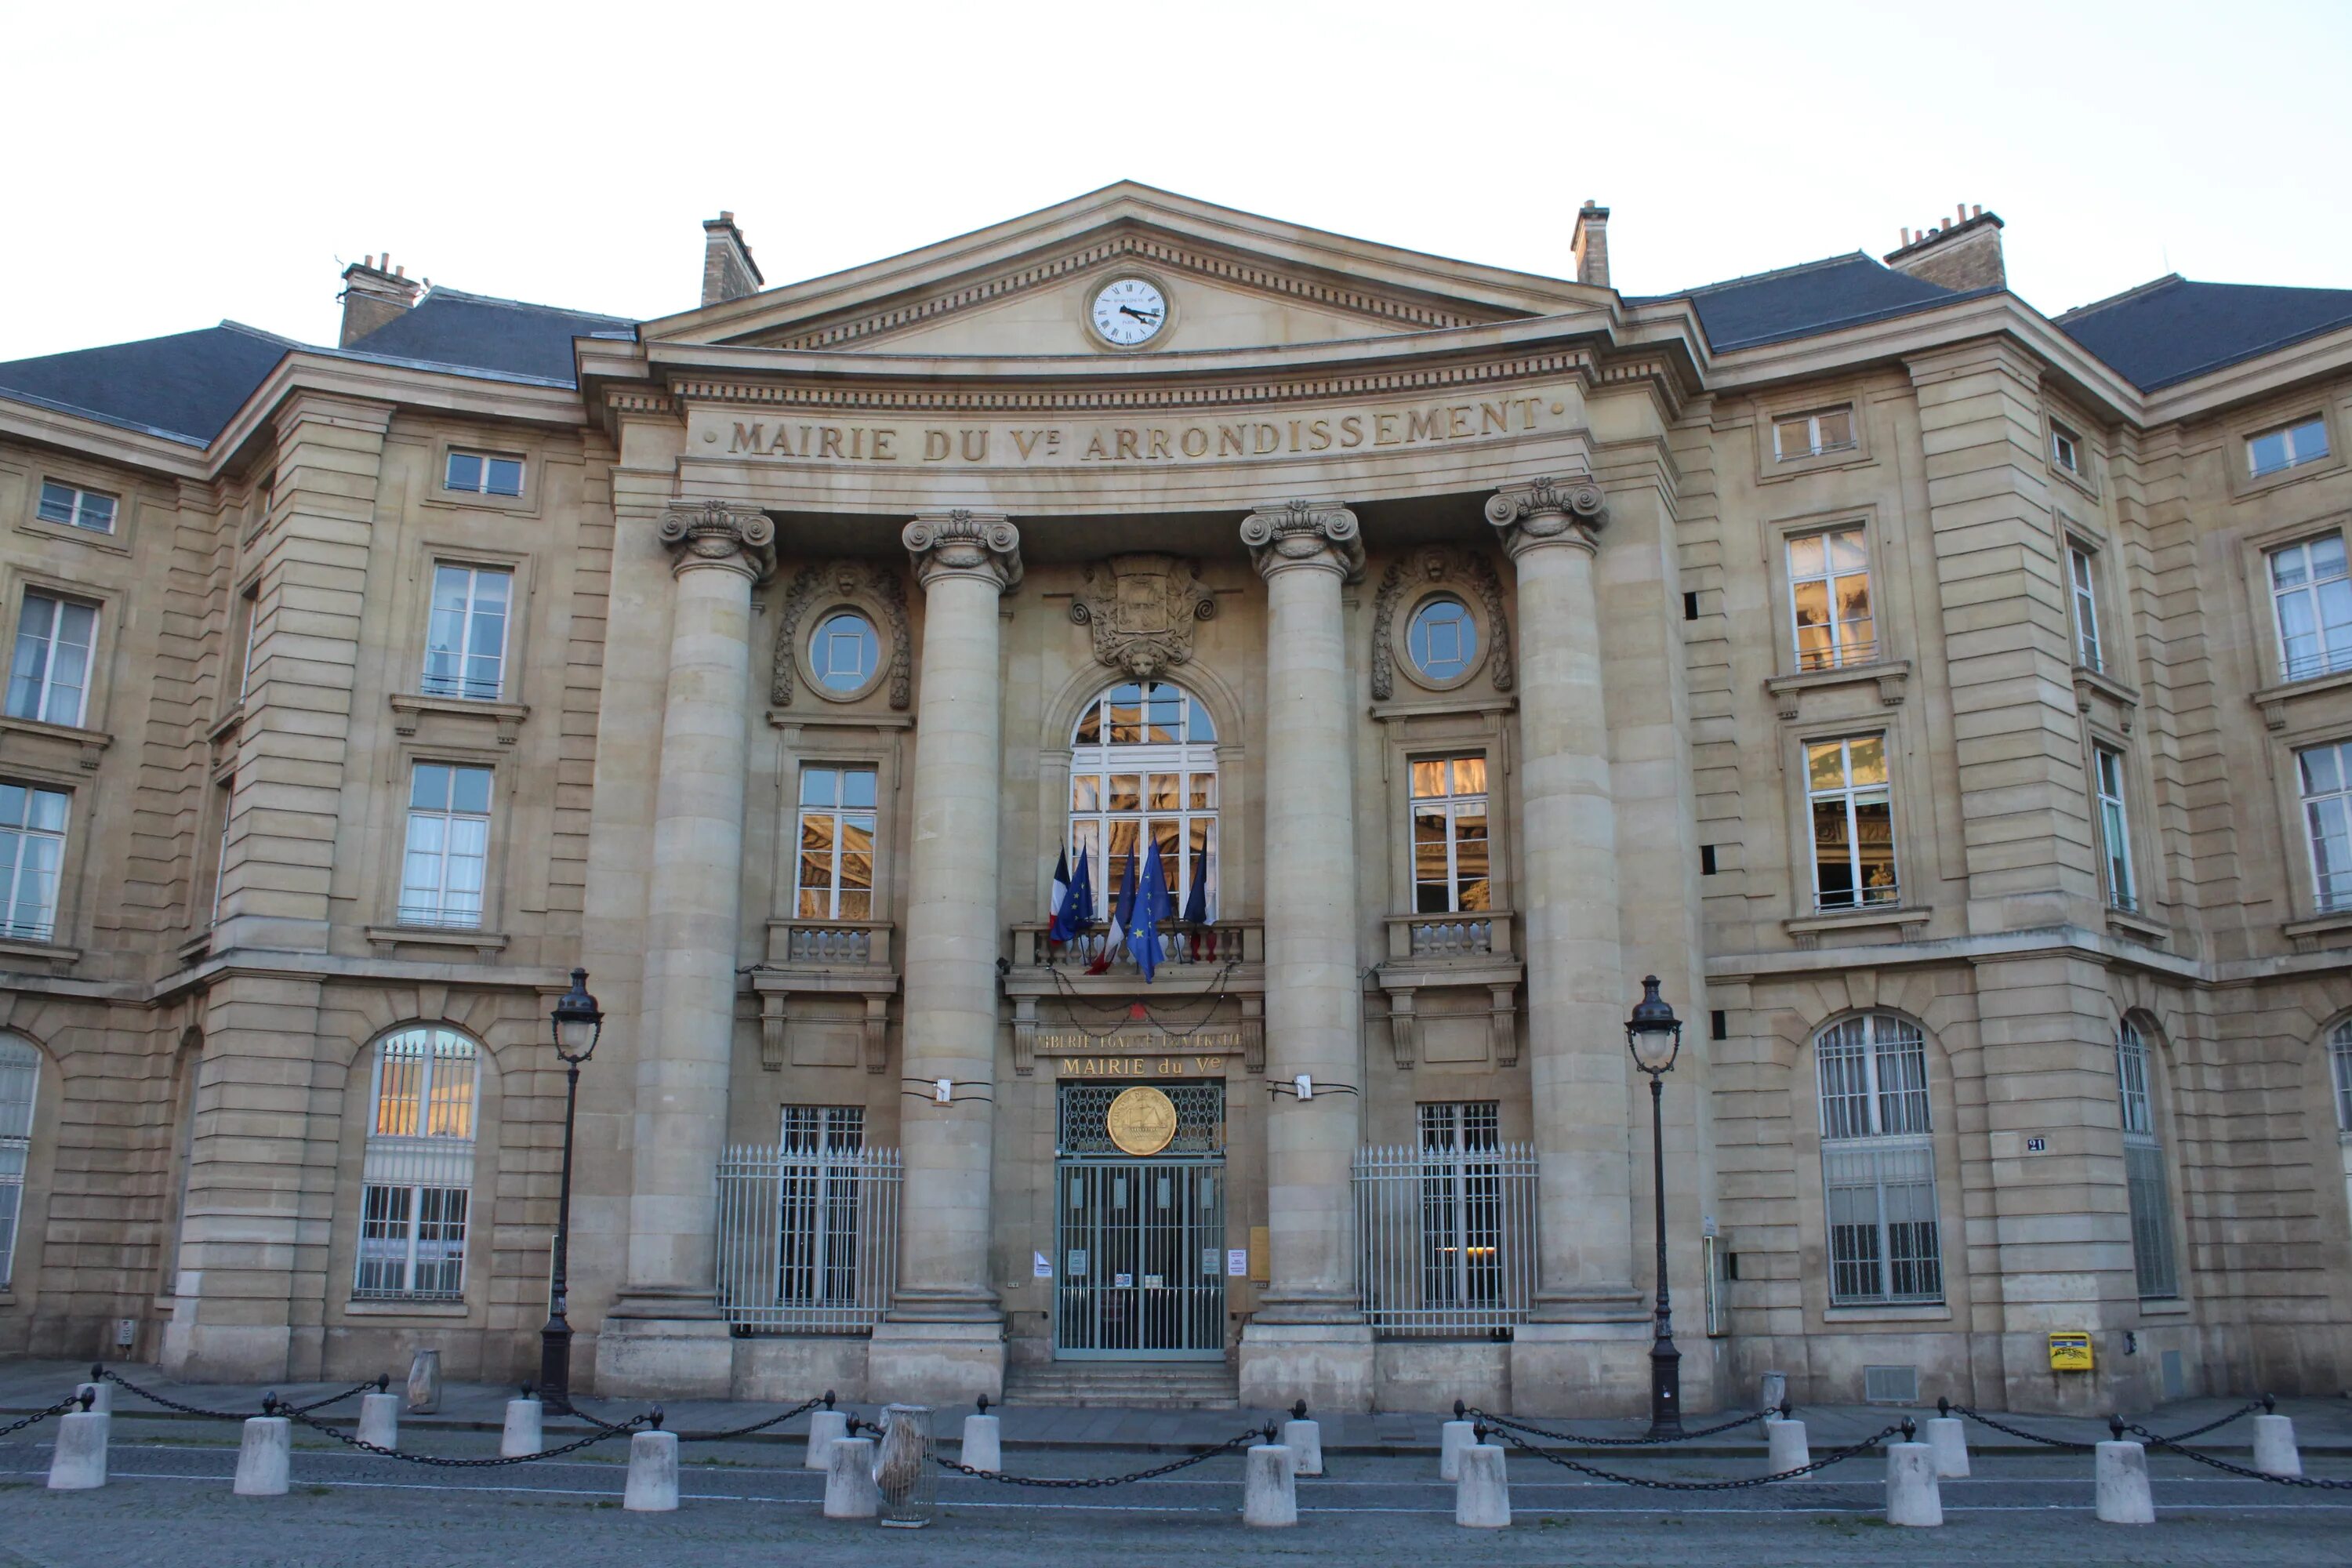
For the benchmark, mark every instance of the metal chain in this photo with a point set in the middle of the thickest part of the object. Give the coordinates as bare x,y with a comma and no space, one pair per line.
803,1408
1499,1421
434,1459
1085,1482
2031,1437
378,1383
59,1408
1840,1457
2314,1482
2247,1409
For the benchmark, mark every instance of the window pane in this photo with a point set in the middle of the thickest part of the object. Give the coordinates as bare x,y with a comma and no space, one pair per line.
1793,438
1126,791
1837,428
1845,547
1203,794
428,789
504,477
56,503
1085,792
820,786
858,787
1089,731
470,789
1166,789
1470,858
1825,765
1428,779
1469,775
1869,759
465,472
1806,556
1815,649
1833,855
1874,828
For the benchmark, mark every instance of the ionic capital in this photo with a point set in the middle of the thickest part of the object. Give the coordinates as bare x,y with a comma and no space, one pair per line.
1548,511
965,543
1305,533
713,534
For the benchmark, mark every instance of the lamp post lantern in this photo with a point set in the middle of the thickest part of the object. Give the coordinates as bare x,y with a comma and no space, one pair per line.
1655,1037
577,1023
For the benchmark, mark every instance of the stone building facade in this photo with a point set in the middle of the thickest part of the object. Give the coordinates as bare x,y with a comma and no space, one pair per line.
1951,704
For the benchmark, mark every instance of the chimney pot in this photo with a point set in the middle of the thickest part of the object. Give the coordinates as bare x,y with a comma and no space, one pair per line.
1590,245
374,294
1960,252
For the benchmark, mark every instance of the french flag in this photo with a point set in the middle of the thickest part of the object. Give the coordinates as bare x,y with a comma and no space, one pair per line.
1057,902
1122,915
1196,902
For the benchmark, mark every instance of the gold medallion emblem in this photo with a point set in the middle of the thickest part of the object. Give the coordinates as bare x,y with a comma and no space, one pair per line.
1141,1120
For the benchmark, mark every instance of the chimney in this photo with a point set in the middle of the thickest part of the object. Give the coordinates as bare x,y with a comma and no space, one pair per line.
728,270
1962,251
374,294
1591,245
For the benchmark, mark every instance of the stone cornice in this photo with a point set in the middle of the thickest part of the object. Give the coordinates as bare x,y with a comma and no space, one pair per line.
1305,533
959,543
1546,511
712,535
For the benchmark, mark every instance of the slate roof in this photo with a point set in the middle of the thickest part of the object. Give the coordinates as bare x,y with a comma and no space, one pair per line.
2171,330
475,331
186,385
1816,297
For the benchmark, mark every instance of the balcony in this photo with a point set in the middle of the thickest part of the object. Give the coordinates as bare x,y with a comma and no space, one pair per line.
1192,959
1469,950
826,958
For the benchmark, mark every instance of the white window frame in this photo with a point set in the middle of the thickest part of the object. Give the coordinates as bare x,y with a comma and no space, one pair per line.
1419,651
1845,648
1852,797
1877,1128
463,682
2155,1264
20,1089
2082,573
94,511
1463,1225
2114,826
463,836
448,475
1103,759
39,694
2327,818
2329,657
1814,445
41,872
1452,809
2295,456
422,1126
831,822
821,1168
870,648
2066,449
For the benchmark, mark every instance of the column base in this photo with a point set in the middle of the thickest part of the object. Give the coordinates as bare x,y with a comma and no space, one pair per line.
675,1356
1327,1364
938,1364
1582,1369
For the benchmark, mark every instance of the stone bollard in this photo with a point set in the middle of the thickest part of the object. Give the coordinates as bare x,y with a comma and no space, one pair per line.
263,1458
424,1382
1451,1439
101,1397
653,1474
1772,1390
983,1444
1912,1494
1270,1486
2120,1469
826,1427
1785,1447
522,1434
1950,1443
380,1420
78,1462
2274,1449
849,1488
1482,1498
1304,1439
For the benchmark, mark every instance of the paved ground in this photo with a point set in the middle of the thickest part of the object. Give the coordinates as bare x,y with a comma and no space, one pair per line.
747,1502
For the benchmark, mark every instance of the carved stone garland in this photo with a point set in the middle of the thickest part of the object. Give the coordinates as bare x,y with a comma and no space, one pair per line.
1141,609
847,579
1439,563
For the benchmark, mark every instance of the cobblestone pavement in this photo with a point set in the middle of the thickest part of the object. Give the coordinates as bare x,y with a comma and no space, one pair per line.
169,1502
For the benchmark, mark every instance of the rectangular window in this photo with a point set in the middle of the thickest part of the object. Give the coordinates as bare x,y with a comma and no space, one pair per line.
32,849
816,1261
466,638
1811,434
2313,595
2065,448
1878,1164
1854,823
225,802
448,846
1462,1238
2324,773
92,509
2086,608
20,1081
2288,446
250,602
50,678
837,838
1828,590
2150,1196
2114,827
1450,854
482,474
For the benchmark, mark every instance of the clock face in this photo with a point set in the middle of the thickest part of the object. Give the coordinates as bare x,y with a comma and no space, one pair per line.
1127,311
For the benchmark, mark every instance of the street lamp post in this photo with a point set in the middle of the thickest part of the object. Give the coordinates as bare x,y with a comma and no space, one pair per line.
578,1023
1655,1037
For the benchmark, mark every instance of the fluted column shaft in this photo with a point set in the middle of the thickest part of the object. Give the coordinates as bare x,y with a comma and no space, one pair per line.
693,902
1313,999
965,563
1576,989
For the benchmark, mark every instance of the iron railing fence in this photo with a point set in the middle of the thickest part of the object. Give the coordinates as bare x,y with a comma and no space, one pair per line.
807,1237
1446,1238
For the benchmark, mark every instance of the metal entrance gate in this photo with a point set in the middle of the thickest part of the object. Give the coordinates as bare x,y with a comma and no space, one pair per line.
1139,1260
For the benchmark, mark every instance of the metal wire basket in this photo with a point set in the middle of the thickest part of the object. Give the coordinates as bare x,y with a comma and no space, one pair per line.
903,1471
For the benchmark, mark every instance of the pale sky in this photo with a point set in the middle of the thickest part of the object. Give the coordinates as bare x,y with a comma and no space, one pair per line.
171,166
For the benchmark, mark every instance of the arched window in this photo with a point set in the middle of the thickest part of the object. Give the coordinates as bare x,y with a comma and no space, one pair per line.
419,1174
1143,769
1878,1162
20,1080
2151,1197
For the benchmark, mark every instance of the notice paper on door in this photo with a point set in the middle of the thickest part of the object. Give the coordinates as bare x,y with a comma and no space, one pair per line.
1237,1261
1040,1266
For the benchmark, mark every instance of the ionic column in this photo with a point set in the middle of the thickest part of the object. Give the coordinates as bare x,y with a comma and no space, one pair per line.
1313,999
965,561
1576,989
693,908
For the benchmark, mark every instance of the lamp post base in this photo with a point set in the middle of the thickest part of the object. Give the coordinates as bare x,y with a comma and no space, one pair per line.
1665,1389
555,1365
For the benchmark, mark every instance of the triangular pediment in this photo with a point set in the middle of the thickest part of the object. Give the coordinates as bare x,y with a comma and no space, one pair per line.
1234,280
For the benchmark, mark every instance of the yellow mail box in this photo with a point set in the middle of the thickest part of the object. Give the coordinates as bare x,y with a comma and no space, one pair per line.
2070,1350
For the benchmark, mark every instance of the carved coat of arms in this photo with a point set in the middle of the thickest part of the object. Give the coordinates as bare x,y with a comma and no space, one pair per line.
1142,608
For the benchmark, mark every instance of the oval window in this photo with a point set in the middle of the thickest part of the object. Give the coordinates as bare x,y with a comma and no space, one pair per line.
844,653
1442,640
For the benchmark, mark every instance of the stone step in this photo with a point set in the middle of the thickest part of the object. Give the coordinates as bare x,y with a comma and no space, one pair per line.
1171,1385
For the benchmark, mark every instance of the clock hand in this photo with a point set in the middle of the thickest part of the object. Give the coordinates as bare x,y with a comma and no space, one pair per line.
1139,315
